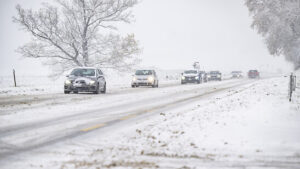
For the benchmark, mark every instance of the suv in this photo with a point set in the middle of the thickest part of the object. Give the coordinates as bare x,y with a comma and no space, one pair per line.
191,76
253,74
214,75
144,78
85,79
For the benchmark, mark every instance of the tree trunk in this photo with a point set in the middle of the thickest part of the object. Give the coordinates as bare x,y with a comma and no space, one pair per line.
85,53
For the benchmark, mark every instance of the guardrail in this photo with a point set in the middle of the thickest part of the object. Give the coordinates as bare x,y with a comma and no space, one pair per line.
292,85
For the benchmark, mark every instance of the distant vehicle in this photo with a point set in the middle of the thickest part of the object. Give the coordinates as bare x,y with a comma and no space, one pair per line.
214,75
236,74
253,74
203,76
85,79
144,78
191,76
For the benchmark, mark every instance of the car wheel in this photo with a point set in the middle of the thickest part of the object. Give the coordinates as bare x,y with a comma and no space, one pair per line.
67,92
133,86
154,85
104,89
97,90
75,92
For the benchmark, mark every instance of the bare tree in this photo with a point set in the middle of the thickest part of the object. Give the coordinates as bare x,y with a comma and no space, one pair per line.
79,33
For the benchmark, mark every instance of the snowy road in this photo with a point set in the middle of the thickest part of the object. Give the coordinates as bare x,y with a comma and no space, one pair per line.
68,120
97,111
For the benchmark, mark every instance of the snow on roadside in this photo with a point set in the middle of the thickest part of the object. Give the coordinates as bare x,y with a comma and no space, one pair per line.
250,126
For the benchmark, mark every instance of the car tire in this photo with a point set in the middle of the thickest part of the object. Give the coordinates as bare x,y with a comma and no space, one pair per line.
75,92
104,89
67,92
154,85
133,86
97,90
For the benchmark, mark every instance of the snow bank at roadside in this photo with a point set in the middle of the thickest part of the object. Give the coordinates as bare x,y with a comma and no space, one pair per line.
251,126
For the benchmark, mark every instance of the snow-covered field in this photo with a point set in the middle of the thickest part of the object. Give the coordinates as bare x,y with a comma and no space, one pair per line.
250,125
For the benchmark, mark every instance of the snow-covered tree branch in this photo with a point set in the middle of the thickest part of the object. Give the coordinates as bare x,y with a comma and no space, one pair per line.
278,21
79,33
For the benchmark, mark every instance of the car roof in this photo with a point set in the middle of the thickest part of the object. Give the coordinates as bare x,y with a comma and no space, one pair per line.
145,69
191,70
85,68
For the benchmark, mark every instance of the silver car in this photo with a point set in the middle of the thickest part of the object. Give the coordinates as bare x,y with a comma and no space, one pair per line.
144,78
85,79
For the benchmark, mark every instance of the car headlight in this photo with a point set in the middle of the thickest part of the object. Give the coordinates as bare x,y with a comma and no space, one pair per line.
92,82
68,82
208,75
182,77
134,79
196,77
219,75
150,79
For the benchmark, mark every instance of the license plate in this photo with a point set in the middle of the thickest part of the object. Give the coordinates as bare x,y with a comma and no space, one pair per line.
78,85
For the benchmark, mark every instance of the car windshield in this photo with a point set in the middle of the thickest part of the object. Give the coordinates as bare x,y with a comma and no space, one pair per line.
83,72
190,72
143,72
253,71
214,72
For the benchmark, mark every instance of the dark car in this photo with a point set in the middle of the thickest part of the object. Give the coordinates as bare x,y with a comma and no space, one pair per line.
144,78
84,79
214,75
253,74
191,76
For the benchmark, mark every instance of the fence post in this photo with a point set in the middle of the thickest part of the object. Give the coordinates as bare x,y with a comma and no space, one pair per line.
291,87
294,83
14,73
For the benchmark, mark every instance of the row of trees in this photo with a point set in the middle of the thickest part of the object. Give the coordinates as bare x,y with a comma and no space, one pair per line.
74,33
278,21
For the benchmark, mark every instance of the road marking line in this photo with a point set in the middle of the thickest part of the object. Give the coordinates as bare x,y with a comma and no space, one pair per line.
128,117
93,127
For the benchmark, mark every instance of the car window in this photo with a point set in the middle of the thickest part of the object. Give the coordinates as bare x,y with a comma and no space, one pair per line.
214,72
100,72
143,72
83,72
190,71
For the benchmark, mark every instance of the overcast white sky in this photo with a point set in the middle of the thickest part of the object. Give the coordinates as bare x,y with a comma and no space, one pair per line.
172,33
